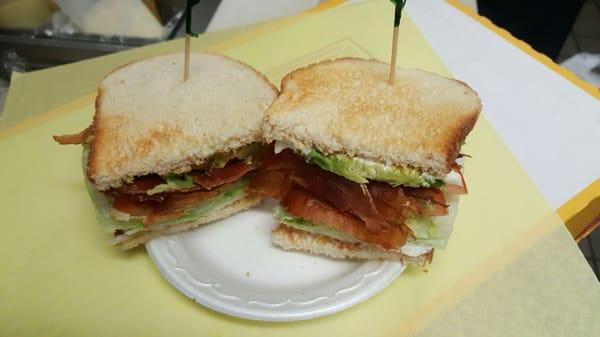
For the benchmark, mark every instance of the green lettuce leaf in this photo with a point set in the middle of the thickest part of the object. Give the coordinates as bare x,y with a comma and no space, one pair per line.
361,171
308,226
236,192
183,181
173,182
429,231
112,220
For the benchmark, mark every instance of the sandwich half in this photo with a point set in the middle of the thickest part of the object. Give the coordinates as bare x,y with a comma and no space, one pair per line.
163,155
364,169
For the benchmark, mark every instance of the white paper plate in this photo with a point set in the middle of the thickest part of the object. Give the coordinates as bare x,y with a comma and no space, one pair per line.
231,266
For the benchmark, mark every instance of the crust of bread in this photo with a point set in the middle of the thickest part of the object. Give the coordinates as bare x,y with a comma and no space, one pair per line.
235,207
348,106
290,238
148,120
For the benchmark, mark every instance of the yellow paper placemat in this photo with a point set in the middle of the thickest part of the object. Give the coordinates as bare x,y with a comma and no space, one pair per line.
510,268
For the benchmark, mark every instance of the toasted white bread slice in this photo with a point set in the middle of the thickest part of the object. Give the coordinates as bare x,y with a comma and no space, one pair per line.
290,238
348,106
148,120
235,207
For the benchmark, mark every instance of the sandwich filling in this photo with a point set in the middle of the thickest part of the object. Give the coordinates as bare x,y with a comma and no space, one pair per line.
406,212
362,170
153,202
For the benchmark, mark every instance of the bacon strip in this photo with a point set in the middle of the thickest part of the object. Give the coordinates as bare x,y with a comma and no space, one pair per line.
284,160
395,197
374,213
273,179
204,181
392,195
140,184
173,205
219,176
77,138
132,198
130,204
138,188
271,183
303,204
432,194
345,195
457,189
389,213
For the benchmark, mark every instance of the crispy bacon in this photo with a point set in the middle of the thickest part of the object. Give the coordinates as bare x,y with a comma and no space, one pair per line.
389,213
399,213
271,183
392,195
132,198
206,180
284,160
140,184
345,195
172,206
273,179
138,188
184,200
77,138
432,194
175,205
364,211
130,204
376,205
386,195
300,203
457,189
215,177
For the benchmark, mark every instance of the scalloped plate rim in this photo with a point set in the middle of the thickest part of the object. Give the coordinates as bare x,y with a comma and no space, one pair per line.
173,256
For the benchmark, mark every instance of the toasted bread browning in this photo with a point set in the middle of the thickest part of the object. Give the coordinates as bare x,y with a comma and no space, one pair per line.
149,121
348,106
290,238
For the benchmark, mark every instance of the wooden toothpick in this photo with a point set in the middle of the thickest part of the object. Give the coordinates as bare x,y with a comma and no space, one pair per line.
186,63
394,51
188,34
397,15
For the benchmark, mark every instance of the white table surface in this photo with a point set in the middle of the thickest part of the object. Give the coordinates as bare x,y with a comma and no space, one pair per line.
551,125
